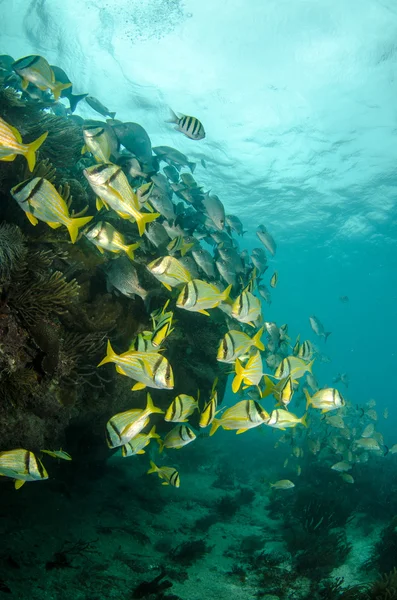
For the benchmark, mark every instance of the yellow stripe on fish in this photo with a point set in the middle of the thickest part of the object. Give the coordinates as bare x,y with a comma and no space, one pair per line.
11,144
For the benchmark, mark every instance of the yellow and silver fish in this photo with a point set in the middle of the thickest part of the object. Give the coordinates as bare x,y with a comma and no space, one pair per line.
178,437
11,144
162,325
236,344
190,126
274,279
100,141
124,426
250,374
21,465
138,443
283,390
294,367
305,350
147,368
247,308
282,484
180,244
169,474
181,408
209,411
198,295
40,201
35,69
105,237
326,399
58,454
113,190
283,419
244,415
169,271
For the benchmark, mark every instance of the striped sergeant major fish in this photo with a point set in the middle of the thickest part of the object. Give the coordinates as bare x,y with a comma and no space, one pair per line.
189,126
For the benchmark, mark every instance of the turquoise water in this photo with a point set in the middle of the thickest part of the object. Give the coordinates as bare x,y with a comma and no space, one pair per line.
298,100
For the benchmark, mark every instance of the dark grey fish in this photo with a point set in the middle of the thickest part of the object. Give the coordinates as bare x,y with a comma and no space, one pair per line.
234,223
205,261
173,157
259,259
190,265
6,62
122,275
171,173
318,327
227,272
162,183
157,234
74,99
232,258
265,293
215,210
135,139
162,204
266,239
99,107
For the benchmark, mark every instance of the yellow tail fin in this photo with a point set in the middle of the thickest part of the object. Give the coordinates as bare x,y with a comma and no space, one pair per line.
110,355
151,408
142,219
256,340
58,88
75,224
152,433
304,420
270,387
308,398
225,294
214,426
238,377
129,250
310,365
30,154
153,468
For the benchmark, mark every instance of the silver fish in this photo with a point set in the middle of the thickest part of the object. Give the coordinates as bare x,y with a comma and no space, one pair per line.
318,327
234,223
266,239
264,292
205,261
122,275
215,210
157,234
99,107
173,157
227,272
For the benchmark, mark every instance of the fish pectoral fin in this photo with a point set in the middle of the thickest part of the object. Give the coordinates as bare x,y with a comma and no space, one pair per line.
98,203
32,218
165,483
240,431
120,370
125,216
138,386
101,250
54,225
19,483
204,312
141,452
9,157
169,288
24,83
